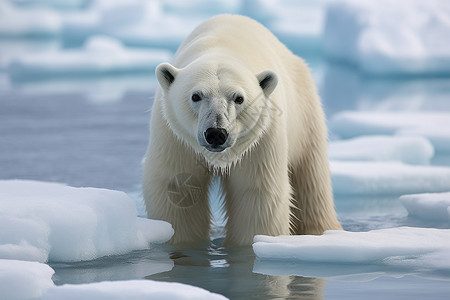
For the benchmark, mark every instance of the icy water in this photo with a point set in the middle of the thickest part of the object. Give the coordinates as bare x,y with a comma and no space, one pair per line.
94,132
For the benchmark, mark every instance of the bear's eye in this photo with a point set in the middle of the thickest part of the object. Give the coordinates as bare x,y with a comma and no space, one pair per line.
239,100
196,97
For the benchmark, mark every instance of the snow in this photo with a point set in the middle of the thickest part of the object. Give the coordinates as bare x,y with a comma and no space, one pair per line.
343,87
387,178
57,4
159,23
98,90
131,289
381,37
135,23
44,221
429,207
402,246
295,22
406,149
28,22
24,279
100,55
33,280
433,125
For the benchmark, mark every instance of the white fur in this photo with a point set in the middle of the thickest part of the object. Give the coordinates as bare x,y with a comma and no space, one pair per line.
274,173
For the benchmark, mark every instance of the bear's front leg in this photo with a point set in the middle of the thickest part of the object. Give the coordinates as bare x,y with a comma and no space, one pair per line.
175,187
257,198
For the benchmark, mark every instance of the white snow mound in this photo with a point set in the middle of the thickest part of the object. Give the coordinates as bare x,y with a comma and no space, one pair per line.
42,221
406,149
24,279
386,37
39,22
435,126
100,55
132,289
404,245
430,207
387,178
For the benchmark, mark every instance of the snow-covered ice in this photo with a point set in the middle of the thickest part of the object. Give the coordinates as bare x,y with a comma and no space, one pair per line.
402,246
406,149
135,23
343,87
435,126
429,207
385,37
295,22
53,222
56,4
33,280
39,22
100,55
24,279
98,90
132,289
387,178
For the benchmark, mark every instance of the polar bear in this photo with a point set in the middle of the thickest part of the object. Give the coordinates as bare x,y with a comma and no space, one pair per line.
236,104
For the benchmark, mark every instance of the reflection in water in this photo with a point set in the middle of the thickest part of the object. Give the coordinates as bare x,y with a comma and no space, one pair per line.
134,265
230,272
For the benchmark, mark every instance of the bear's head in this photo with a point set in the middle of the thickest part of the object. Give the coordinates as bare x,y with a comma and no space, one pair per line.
219,107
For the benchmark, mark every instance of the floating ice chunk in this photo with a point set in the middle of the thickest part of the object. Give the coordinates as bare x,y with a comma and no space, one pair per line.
403,245
387,178
135,23
294,17
385,37
433,125
48,221
98,90
197,7
407,149
57,4
298,24
132,289
345,88
430,207
100,55
356,256
24,279
28,22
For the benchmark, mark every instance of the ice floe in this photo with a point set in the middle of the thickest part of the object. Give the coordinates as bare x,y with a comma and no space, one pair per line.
435,126
98,90
387,178
131,289
299,24
24,279
33,280
406,149
379,37
135,23
39,22
343,87
43,221
100,55
433,207
407,247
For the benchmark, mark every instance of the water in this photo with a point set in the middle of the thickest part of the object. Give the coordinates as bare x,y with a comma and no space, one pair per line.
94,132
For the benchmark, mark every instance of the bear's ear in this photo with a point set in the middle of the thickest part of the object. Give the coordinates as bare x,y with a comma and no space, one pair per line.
166,73
268,81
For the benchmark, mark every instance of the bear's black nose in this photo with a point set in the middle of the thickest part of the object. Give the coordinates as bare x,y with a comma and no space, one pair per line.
216,136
